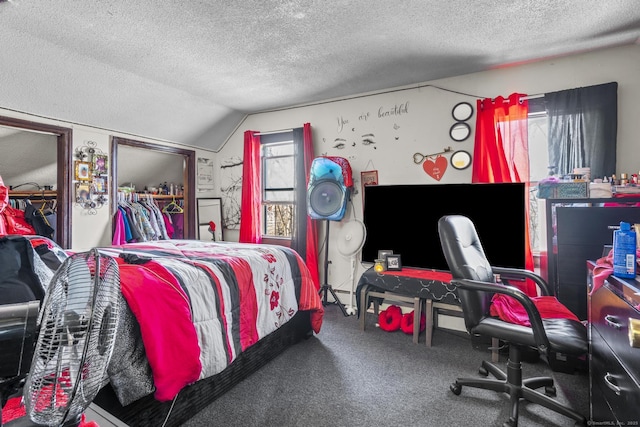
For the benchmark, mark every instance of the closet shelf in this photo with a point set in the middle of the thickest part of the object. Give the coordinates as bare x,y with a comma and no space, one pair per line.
41,193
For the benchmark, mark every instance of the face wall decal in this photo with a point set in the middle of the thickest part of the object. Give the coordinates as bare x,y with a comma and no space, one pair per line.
435,169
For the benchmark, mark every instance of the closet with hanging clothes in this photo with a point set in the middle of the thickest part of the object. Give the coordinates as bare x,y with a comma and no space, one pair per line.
36,173
32,212
174,215
139,219
155,191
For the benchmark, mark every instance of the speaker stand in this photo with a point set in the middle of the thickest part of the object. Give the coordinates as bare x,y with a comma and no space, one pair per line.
327,288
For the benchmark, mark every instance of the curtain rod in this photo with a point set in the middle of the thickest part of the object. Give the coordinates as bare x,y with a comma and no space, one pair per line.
538,95
271,132
524,98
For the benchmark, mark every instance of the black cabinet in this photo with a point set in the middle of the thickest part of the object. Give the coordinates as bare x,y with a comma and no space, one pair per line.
614,353
576,231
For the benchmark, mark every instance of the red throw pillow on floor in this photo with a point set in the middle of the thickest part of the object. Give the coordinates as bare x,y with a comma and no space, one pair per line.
407,323
389,319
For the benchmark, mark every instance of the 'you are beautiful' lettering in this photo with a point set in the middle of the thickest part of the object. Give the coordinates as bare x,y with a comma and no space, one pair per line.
396,110
341,123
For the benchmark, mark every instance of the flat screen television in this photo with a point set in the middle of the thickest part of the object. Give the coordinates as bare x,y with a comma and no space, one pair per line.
404,219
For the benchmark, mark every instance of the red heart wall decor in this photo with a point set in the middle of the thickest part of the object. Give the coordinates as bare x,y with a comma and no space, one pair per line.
435,169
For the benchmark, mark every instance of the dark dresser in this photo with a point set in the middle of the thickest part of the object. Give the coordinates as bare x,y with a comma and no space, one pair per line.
614,351
576,230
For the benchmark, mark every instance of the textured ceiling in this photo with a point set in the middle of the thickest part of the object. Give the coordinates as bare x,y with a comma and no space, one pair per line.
189,71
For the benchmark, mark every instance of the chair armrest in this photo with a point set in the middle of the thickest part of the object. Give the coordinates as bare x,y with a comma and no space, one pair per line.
539,334
545,289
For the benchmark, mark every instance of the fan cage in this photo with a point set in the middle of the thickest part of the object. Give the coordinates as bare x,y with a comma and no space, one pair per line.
351,237
78,326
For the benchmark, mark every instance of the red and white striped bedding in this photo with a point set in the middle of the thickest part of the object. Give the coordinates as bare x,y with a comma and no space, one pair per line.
200,304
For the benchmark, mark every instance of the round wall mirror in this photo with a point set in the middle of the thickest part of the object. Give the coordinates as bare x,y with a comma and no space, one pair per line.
459,131
460,159
462,111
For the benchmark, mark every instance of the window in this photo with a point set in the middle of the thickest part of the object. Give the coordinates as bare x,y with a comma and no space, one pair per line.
538,126
278,184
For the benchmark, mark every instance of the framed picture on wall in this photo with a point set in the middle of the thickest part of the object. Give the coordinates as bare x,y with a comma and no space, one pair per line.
83,192
99,185
83,171
100,164
369,177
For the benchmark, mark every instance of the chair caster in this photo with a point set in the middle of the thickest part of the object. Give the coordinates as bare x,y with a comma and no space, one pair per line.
550,390
455,388
483,371
510,423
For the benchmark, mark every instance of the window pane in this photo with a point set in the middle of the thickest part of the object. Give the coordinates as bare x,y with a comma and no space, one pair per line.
278,220
538,147
278,183
278,173
271,150
538,169
278,196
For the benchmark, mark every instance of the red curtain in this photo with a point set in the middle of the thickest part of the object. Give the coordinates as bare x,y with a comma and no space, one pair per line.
250,208
312,225
501,153
251,205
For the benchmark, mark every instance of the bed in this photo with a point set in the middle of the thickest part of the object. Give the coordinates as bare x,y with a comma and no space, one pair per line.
196,318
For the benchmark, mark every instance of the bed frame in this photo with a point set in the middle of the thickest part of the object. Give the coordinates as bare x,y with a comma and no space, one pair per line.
192,399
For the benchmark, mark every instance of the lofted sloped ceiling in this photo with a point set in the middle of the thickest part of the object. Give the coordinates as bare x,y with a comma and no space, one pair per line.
190,71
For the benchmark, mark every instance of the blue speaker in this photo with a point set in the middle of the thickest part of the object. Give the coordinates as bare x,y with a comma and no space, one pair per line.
327,194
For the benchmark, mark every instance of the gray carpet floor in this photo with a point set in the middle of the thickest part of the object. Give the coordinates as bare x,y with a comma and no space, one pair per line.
346,377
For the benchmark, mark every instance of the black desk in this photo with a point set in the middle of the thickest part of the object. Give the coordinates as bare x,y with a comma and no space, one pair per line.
413,285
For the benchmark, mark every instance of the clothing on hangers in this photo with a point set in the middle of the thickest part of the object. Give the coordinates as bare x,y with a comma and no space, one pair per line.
173,208
142,219
38,220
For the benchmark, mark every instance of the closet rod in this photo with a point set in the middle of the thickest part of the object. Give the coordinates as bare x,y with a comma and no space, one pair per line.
155,196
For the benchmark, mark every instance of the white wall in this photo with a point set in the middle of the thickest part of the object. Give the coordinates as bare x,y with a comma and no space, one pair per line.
38,150
424,124
145,168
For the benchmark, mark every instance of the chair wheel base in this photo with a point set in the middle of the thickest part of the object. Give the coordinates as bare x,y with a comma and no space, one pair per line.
483,371
455,388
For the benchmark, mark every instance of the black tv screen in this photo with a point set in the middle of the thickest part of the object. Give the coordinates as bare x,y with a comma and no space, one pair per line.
404,219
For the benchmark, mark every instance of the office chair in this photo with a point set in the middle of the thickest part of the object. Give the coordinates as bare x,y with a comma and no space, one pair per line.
474,278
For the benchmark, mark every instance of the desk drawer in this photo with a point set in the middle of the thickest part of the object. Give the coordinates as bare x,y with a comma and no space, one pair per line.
614,383
610,317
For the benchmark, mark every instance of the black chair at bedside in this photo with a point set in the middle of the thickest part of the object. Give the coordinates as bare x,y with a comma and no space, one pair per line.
474,278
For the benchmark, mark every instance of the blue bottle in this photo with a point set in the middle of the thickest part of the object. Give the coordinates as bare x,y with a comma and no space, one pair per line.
624,252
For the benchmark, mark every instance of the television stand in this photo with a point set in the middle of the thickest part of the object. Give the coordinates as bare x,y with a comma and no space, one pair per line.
414,287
